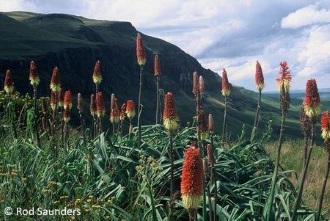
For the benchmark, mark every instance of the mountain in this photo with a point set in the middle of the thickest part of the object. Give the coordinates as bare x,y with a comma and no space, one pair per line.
74,44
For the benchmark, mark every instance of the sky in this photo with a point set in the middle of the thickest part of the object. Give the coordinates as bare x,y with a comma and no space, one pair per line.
230,34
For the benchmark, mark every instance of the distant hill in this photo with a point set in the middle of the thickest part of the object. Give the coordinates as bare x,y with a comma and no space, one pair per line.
75,43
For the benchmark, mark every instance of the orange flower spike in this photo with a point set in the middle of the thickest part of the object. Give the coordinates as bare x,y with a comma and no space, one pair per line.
55,81
130,109
283,82
195,83
157,69
67,104
79,102
201,85
170,117
325,126
8,84
225,87
312,101
93,105
52,100
66,115
259,77
34,76
97,76
192,178
99,105
140,53
115,113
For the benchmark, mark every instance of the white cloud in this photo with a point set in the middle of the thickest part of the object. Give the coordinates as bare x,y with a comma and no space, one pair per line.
309,15
314,57
17,5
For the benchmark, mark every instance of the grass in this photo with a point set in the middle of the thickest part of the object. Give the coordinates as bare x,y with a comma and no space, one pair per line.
292,159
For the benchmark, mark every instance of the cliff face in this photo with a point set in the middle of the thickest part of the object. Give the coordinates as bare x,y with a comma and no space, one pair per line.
74,44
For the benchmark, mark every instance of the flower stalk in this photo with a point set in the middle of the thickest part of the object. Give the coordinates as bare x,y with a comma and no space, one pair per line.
141,60
157,74
259,80
283,84
311,106
225,90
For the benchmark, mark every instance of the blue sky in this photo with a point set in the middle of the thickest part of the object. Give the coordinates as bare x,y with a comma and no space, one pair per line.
223,33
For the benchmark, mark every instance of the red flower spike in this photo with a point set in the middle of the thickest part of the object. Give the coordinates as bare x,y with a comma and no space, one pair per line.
93,106
283,82
55,81
192,178
170,117
157,69
97,76
225,87
67,104
79,102
34,76
140,53
8,84
201,86
325,126
195,83
259,77
99,105
130,109
311,101
115,113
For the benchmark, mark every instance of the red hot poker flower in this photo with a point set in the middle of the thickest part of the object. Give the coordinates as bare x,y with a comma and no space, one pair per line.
55,81
259,77
311,101
325,125
8,84
67,104
34,76
99,105
115,113
157,69
140,53
130,109
79,102
170,117
93,106
97,76
225,87
283,82
192,178
195,83
201,85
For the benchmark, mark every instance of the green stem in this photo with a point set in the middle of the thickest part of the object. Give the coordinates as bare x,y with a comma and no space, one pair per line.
36,115
157,94
273,185
214,181
172,178
256,120
323,189
224,120
140,106
302,181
